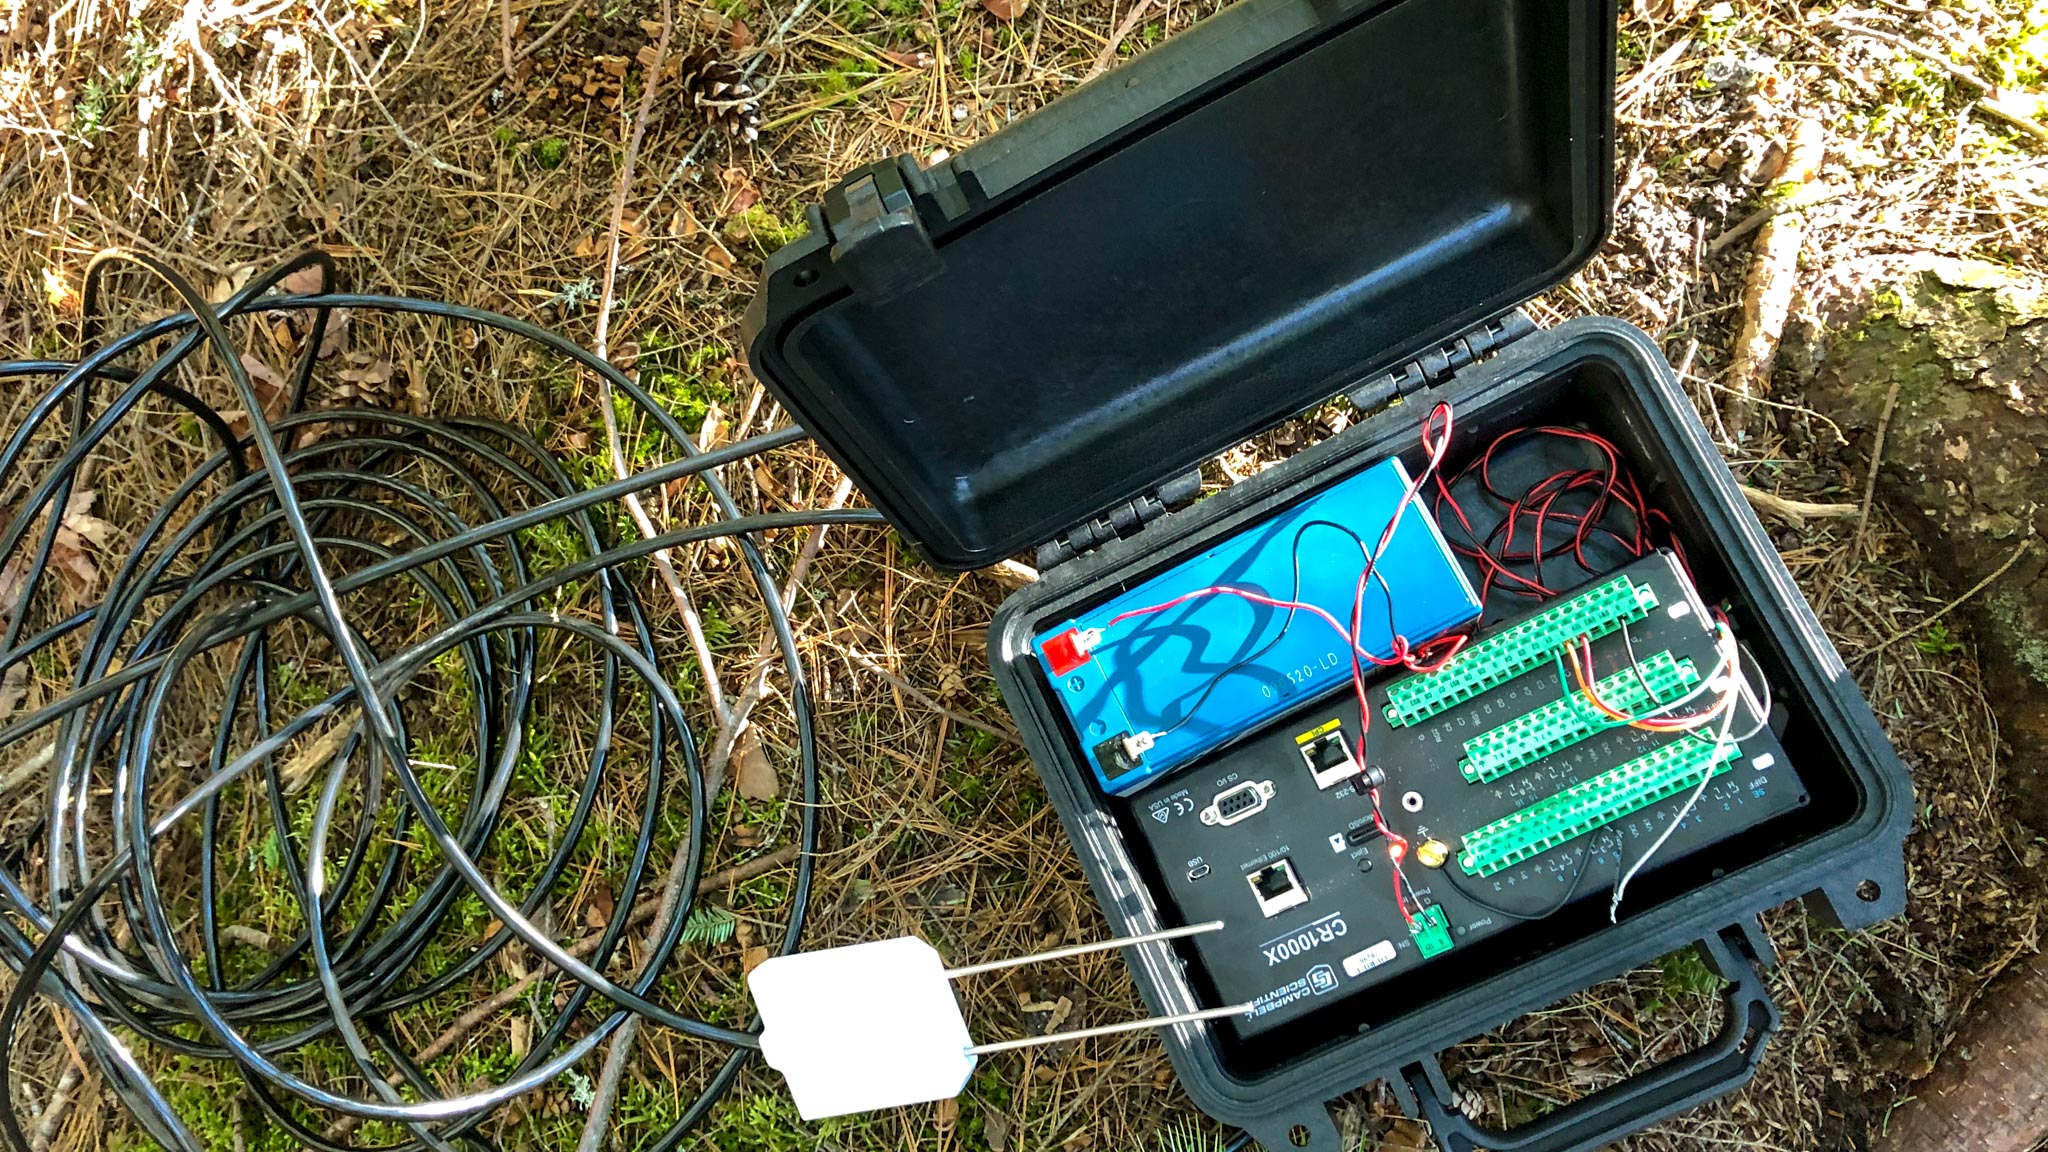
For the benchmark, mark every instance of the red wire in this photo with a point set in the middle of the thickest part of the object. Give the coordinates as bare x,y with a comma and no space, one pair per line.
1605,489
1608,487
1230,590
1428,657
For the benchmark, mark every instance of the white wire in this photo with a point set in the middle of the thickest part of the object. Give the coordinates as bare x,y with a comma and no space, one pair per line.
1725,651
1741,689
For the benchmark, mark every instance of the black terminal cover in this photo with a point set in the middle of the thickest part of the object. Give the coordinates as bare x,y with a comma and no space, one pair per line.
1276,205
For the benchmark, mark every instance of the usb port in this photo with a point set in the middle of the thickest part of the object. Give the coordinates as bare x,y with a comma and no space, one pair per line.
1276,888
1329,758
1238,802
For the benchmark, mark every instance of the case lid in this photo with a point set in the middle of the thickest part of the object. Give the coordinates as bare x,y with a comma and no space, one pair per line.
1268,209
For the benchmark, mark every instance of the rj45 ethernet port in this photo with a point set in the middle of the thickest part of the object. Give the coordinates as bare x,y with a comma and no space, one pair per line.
1330,759
1276,888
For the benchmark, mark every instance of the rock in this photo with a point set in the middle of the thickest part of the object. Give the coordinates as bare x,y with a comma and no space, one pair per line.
1966,344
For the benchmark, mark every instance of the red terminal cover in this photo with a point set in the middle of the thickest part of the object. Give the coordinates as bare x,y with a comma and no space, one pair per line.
1063,652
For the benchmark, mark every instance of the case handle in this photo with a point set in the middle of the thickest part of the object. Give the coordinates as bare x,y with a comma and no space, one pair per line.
1724,1064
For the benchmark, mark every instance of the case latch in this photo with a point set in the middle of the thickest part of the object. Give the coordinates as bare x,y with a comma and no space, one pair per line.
1122,520
878,242
1476,344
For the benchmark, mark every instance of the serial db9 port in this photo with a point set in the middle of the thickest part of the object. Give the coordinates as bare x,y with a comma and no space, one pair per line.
1238,802
1276,888
1329,758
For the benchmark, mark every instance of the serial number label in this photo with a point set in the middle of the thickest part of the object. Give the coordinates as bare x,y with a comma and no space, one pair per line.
1281,949
1359,963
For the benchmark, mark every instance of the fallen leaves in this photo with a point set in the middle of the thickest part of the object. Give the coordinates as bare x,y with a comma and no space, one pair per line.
633,242
741,193
58,291
80,537
599,906
271,392
753,772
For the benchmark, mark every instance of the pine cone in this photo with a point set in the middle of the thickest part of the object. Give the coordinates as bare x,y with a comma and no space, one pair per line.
719,91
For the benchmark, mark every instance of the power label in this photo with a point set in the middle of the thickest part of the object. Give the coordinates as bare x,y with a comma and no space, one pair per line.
1304,940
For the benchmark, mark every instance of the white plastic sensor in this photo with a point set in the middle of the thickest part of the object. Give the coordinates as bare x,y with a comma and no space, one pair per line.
876,1025
862,1027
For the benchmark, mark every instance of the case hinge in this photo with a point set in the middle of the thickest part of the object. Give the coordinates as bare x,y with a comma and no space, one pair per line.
1476,344
879,242
1122,520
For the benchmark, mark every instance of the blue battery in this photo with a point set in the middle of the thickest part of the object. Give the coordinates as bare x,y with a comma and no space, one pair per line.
1194,677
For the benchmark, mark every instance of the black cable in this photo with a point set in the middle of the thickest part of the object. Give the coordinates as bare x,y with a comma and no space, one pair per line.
1293,594
404,547
1571,892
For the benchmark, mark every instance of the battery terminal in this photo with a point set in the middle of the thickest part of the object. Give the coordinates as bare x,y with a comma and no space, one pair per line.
1069,650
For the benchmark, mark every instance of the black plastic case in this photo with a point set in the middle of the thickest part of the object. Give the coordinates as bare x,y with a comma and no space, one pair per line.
1034,343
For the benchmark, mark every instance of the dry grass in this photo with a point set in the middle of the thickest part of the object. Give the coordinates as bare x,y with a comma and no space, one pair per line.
221,135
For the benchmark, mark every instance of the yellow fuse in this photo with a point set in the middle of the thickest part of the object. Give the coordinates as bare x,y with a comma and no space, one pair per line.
1432,853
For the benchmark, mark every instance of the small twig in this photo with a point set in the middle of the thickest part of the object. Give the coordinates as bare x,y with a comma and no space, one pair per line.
664,561
1884,424
1772,280
2026,546
1642,82
53,1113
370,90
1107,56
727,738
247,936
1795,512
1758,218
28,769
620,1052
582,949
1013,572
926,699
569,14
505,34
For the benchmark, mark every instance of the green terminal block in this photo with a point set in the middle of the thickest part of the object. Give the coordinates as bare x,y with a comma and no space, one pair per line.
1566,721
1505,655
1595,803
1432,932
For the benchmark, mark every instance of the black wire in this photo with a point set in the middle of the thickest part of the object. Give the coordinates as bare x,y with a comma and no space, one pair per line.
1571,892
1293,594
401,545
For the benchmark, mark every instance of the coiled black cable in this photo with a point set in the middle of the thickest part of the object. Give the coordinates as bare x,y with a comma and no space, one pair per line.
404,546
